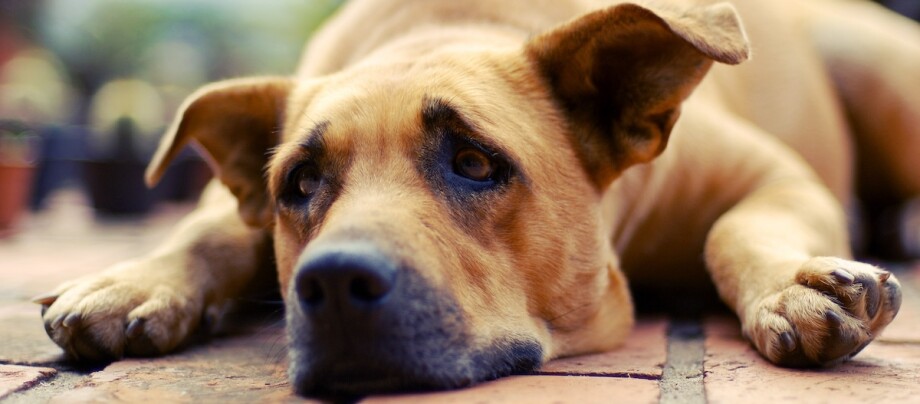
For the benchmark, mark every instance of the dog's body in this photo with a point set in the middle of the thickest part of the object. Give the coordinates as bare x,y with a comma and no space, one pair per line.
451,199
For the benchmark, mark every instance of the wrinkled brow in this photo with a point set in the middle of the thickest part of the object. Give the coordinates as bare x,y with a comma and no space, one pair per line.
438,113
315,141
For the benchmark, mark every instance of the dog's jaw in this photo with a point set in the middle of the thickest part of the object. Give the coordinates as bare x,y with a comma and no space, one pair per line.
421,344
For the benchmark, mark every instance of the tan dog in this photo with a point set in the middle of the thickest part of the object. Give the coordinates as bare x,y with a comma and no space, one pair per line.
455,191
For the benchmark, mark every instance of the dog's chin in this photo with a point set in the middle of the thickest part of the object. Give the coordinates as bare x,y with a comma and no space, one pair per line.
452,368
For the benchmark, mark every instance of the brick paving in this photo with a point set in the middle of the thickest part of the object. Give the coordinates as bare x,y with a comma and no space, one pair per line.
15,378
661,362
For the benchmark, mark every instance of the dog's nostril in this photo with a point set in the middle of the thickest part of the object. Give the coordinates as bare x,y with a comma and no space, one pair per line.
311,292
369,288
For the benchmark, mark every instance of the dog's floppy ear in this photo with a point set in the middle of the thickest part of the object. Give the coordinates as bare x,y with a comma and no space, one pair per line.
621,73
236,122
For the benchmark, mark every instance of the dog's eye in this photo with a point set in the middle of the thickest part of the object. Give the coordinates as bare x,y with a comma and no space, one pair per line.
307,181
473,164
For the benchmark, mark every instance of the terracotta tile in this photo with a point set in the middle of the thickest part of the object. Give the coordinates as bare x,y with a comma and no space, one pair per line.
245,368
883,372
642,355
23,335
14,378
541,389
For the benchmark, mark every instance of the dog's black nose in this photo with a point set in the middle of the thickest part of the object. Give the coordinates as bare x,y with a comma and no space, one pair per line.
344,276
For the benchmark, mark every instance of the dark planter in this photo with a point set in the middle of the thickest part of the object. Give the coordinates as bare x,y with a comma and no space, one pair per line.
61,149
116,187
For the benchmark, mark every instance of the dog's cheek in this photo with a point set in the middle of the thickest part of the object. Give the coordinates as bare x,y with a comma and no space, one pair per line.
287,249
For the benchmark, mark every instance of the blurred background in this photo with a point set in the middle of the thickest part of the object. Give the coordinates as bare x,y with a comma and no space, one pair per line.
87,87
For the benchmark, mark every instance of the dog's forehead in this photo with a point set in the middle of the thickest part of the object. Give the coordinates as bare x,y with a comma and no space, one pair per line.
380,112
378,116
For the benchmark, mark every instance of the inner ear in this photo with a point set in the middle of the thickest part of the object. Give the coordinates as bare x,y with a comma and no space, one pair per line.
620,76
237,123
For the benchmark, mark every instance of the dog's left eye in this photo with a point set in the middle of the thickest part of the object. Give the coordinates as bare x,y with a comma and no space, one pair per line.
473,164
307,181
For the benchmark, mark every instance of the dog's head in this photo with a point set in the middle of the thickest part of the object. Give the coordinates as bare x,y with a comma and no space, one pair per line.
437,218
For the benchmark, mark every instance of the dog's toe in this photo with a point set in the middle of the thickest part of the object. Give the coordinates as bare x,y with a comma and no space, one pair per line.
138,341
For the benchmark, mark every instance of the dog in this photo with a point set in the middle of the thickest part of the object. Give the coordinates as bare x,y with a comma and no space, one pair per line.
452,192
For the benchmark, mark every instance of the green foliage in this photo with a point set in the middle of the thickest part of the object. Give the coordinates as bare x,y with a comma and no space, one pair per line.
102,39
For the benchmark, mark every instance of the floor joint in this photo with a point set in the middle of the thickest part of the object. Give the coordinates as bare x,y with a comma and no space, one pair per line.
683,373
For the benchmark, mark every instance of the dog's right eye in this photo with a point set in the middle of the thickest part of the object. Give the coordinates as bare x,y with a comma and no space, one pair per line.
473,164
306,181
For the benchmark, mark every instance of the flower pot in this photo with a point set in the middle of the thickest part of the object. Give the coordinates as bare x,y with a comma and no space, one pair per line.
17,166
15,186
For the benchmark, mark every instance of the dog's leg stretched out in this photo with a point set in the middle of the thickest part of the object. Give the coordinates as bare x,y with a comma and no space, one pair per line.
770,259
150,305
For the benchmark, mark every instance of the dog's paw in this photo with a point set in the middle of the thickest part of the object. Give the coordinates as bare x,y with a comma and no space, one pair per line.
834,309
120,312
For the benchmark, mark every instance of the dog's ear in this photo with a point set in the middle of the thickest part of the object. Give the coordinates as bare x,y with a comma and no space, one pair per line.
236,122
620,75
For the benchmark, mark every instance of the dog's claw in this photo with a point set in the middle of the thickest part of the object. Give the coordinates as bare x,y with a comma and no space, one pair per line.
787,342
859,348
883,277
135,328
870,288
839,345
45,299
72,320
894,297
834,319
843,277
57,322
138,342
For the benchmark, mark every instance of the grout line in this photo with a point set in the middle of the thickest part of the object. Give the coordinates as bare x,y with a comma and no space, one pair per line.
44,378
682,376
620,375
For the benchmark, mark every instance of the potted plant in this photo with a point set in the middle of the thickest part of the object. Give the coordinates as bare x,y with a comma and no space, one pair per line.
36,98
115,179
17,167
126,120
125,117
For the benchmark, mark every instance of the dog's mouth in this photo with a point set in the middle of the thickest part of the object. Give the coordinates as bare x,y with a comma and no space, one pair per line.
360,322
357,379
451,368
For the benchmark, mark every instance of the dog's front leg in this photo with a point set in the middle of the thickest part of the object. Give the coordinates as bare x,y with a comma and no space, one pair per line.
150,305
780,259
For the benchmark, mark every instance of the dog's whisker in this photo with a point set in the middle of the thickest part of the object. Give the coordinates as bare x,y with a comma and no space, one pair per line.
573,310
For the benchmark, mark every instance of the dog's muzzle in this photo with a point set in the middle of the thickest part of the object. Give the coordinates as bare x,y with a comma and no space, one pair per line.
360,321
